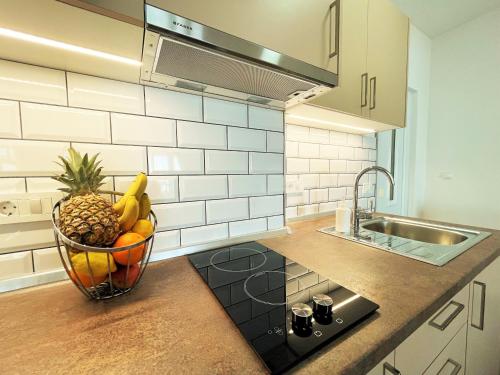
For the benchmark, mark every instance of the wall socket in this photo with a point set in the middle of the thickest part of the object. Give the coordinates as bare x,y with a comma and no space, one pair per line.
8,208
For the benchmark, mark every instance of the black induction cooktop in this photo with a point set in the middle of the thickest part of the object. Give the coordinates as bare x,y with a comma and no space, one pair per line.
284,310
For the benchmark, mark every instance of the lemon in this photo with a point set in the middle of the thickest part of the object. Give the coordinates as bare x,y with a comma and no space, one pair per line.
143,227
98,263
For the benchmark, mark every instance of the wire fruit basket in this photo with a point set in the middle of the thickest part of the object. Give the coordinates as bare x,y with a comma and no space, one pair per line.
99,287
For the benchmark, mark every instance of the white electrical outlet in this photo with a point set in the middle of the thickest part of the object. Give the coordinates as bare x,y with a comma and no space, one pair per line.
8,208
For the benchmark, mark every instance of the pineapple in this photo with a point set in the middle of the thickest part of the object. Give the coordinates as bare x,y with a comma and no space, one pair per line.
85,217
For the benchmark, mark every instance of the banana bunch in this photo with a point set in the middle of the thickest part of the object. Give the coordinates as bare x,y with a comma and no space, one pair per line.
134,205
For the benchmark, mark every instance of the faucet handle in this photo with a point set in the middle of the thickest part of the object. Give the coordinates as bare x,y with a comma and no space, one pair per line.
364,214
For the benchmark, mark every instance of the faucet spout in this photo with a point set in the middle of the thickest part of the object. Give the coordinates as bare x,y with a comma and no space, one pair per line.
355,214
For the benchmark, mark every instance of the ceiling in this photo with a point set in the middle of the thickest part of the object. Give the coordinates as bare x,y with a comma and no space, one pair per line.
435,17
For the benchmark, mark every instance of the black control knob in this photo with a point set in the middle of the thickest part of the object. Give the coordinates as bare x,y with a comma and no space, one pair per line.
302,319
322,306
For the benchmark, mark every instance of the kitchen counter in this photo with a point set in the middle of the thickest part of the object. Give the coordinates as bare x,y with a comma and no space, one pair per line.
173,324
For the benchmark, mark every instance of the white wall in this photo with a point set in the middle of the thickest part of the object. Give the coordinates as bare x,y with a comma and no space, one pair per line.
463,151
419,71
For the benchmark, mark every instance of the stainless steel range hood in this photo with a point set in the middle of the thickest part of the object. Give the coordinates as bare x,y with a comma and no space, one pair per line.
182,53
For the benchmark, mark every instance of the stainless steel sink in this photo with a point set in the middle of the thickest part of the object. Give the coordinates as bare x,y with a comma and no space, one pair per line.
430,243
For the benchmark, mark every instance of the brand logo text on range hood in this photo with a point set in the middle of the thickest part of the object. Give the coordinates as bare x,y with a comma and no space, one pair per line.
183,53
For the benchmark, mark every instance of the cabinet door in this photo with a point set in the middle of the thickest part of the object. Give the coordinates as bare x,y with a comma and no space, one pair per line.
350,96
301,29
385,367
452,359
387,62
483,335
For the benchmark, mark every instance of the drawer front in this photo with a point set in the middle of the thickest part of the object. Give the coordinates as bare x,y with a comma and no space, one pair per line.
419,350
451,361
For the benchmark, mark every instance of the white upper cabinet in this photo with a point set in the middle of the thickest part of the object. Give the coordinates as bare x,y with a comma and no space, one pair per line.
76,26
305,30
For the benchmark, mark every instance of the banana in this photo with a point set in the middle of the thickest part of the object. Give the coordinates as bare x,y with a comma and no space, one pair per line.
144,207
130,214
137,189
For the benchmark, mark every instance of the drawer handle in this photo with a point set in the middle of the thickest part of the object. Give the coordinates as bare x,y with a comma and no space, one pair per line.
479,326
391,369
335,5
456,367
458,308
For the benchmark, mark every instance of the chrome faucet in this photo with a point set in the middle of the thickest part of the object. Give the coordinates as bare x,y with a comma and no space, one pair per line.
356,212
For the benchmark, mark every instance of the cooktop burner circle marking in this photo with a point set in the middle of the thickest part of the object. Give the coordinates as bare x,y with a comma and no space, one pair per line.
245,270
267,302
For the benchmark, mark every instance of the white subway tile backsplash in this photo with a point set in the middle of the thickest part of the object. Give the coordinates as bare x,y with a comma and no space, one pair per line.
275,142
222,210
346,179
275,184
328,152
292,149
9,118
247,185
161,189
30,158
15,265
372,155
173,161
199,135
338,166
361,154
319,136
338,139
45,260
327,207
226,162
308,150
369,141
246,139
296,199
294,165
12,185
47,184
32,83
49,122
202,187
353,166
179,215
311,209
318,195
319,166
297,133
224,112
208,233
266,206
354,140
309,181
142,130
264,118
166,241
105,94
261,163
117,160
275,222
291,212
173,104
245,227
346,153
337,194
328,180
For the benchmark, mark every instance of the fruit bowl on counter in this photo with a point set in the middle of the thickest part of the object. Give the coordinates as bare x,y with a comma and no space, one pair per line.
104,246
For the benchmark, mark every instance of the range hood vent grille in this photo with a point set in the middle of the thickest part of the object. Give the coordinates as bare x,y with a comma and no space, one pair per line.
209,67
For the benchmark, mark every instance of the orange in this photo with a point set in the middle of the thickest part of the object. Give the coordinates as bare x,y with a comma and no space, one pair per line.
86,280
136,253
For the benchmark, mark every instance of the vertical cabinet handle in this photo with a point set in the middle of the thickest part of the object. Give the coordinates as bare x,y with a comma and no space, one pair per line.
389,369
455,369
364,89
478,322
334,39
373,92
440,323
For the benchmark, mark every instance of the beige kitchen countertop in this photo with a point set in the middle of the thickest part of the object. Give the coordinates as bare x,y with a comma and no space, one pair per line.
173,324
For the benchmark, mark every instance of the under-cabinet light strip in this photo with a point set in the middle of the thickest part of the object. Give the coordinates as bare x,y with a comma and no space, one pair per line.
331,123
65,46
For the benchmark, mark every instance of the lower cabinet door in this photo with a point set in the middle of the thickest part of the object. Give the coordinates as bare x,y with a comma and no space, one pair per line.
385,367
451,361
483,332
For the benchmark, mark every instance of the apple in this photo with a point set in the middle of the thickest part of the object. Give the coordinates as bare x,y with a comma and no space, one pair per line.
120,279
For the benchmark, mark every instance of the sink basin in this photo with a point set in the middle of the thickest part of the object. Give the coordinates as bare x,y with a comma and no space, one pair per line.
430,243
417,232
